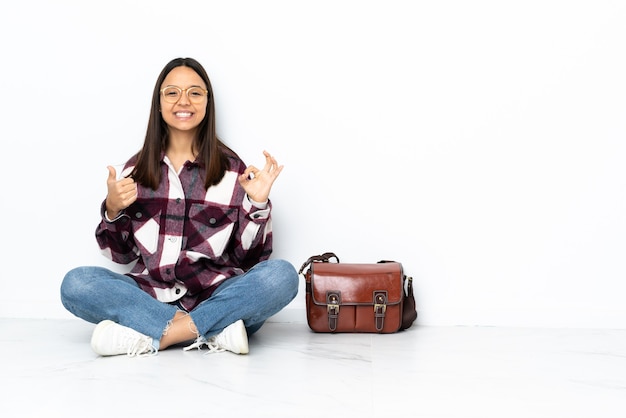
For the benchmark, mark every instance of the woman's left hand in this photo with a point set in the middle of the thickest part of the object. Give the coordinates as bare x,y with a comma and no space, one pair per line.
257,183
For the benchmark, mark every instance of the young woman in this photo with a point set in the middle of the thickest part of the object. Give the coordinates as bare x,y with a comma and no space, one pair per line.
197,224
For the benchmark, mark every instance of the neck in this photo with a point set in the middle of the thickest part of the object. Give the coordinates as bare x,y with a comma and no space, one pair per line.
180,148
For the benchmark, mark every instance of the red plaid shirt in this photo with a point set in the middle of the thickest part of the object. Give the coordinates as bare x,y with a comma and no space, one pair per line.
185,239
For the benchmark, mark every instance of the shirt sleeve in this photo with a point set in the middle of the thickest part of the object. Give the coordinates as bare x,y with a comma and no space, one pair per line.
115,239
254,238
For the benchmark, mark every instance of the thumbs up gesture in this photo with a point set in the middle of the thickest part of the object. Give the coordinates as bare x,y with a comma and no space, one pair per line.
121,193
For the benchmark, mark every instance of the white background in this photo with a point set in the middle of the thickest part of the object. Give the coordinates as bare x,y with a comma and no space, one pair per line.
480,143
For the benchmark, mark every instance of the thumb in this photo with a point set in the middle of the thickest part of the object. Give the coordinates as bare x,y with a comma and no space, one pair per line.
112,173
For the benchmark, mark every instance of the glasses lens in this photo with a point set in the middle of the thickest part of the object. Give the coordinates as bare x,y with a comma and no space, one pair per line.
196,94
171,94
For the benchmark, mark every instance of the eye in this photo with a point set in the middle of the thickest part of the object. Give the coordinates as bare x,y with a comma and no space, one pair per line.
170,92
197,93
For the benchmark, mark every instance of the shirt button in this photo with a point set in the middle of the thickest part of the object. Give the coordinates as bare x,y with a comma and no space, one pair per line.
138,215
177,291
172,239
178,200
212,221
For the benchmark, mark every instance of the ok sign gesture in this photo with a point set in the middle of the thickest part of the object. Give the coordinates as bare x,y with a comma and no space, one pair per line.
258,183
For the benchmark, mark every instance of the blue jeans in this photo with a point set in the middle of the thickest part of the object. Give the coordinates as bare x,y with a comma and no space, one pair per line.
96,293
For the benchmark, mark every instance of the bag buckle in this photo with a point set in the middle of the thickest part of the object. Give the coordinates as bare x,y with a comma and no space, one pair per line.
333,300
380,308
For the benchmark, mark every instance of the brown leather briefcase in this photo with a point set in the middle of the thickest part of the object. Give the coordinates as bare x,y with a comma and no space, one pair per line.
343,297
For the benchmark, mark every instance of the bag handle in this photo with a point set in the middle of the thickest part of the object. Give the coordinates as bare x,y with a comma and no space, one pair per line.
324,258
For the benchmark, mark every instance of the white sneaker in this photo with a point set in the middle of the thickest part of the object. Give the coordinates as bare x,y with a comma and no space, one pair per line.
111,339
233,338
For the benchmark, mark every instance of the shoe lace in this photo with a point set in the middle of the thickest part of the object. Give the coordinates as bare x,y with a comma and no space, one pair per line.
211,344
141,347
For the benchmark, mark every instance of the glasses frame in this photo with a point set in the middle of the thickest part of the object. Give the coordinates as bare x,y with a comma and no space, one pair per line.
186,91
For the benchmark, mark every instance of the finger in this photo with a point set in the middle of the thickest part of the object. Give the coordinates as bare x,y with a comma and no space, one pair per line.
268,156
131,197
130,191
250,169
250,172
277,171
112,174
127,183
275,166
270,162
275,163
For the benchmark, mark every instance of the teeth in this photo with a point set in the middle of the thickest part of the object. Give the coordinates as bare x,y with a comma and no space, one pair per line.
183,114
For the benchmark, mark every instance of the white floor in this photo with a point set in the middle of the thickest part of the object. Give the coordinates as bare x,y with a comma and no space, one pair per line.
48,369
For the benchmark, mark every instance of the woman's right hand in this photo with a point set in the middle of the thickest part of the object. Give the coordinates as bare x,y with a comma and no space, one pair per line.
121,193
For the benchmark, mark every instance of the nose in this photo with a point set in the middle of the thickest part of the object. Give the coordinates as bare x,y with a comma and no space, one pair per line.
184,99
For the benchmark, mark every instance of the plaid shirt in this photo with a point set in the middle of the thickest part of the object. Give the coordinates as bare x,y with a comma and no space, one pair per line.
185,239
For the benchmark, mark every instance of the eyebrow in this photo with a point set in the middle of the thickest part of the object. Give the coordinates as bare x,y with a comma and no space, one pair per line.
194,85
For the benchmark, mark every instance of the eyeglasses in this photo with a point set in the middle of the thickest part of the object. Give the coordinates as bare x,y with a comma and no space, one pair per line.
172,94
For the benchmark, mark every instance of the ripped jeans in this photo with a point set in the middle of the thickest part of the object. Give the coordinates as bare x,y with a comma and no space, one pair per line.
97,293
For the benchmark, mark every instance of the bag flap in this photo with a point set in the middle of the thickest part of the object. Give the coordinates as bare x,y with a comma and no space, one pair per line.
356,282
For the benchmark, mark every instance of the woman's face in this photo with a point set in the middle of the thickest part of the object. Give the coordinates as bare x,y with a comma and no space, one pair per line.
183,109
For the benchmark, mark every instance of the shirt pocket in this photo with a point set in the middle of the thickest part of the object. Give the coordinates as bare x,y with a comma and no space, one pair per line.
145,217
211,228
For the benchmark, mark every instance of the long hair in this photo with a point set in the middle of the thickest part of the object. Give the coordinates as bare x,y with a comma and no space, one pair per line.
212,152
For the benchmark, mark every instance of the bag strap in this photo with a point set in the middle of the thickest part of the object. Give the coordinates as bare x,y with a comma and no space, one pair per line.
324,258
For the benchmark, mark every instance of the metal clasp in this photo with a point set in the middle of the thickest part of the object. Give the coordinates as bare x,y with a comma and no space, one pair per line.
332,304
380,302
333,300
380,307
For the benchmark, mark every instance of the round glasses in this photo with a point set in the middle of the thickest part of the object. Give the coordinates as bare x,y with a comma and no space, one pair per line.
172,94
